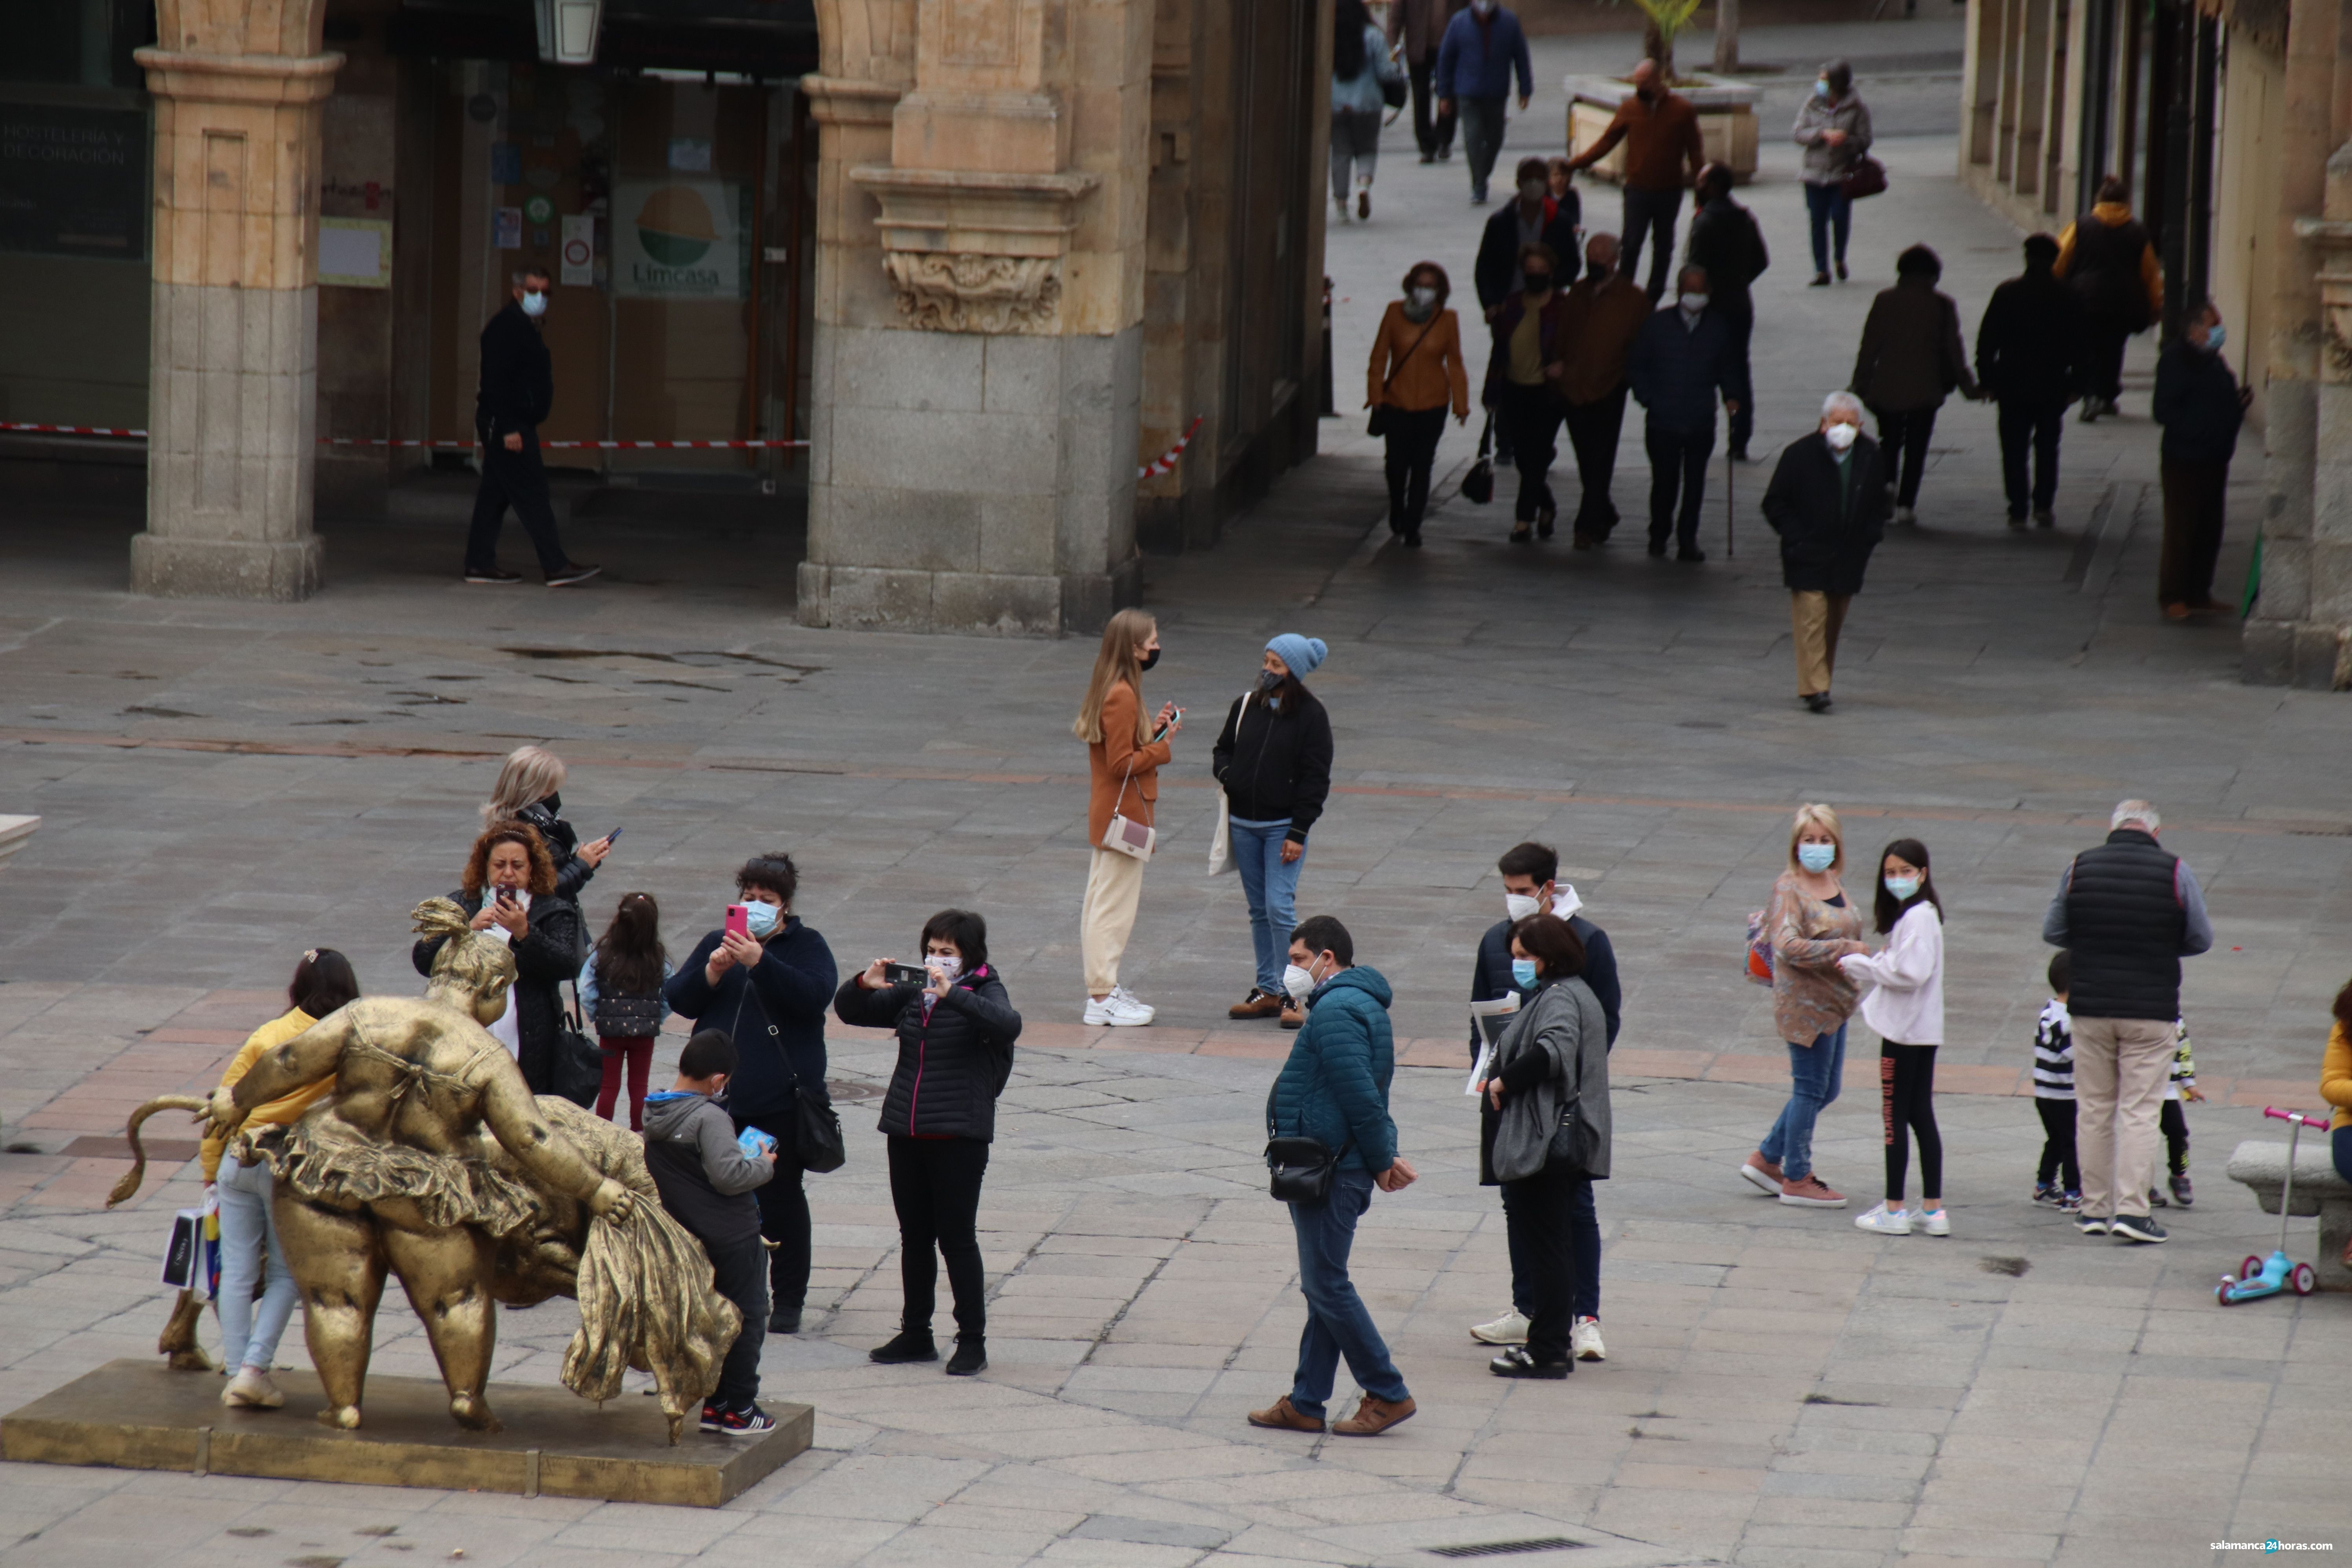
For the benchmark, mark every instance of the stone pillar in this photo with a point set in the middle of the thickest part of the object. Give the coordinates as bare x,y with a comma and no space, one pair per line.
979,299
232,407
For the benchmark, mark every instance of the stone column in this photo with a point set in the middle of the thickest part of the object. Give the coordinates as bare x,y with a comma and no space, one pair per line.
232,405
980,299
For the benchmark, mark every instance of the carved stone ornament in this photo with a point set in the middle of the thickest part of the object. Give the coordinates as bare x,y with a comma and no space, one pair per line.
2333,238
943,292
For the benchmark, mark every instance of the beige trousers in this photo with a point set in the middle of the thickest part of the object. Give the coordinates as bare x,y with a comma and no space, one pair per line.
2121,1066
1814,619
1114,886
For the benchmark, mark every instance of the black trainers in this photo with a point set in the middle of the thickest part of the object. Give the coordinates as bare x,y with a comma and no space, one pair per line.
2137,1227
2182,1192
1517,1362
784,1320
970,1357
2048,1192
711,1413
748,1421
2092,1224
907,1346
573,574
491,574
1818,701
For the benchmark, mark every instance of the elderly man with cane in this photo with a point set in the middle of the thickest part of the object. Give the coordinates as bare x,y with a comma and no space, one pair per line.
1828,502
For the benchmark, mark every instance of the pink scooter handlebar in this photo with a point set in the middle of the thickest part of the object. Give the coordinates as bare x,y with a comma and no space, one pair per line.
2319,1122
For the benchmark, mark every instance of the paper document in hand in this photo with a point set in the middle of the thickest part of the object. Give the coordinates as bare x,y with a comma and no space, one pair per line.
1489,1018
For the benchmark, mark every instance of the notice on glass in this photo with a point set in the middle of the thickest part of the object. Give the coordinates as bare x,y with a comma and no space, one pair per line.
682,239
579,254
506,228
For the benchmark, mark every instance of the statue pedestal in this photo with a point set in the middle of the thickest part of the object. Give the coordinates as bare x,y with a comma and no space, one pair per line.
138,1416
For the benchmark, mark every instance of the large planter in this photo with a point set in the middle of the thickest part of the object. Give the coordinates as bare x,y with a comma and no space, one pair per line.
13,832
1727,120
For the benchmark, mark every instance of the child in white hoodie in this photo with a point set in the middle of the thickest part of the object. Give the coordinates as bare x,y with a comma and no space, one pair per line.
1906,1007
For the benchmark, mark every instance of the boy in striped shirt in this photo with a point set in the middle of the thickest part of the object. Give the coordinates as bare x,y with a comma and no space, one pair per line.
2053,1092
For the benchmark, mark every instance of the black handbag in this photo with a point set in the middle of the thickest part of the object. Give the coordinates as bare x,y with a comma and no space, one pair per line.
1299,1170
1392,92
577,1071
817,1143
1866,178
1479,484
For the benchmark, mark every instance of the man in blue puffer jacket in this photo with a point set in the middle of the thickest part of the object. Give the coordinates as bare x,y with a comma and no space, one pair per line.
1481,47
1334,1088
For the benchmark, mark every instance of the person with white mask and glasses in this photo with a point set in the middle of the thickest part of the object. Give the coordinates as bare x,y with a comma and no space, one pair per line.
1829,504
1531,885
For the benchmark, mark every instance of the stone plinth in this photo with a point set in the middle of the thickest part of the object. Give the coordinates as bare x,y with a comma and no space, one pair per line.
232,402
1726,121
139,1415
14,833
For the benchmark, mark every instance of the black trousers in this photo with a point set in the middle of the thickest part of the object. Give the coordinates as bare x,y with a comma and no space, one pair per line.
2194,498
783,1217
1906,434
1907,1102
2175,1124
1593,429
2105,338
2034,426
1677,465
517,479
1531,417
2058,1145
935,1187
741,1274
1431,131
1540,1213
1412,441
1650,214
1739,312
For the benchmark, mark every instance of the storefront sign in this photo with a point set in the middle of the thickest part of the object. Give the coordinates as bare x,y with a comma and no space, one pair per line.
73,182
681,240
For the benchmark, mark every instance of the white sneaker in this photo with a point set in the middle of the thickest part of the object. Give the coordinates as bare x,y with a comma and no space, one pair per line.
1884,1221
251,1389
1117,1010
1934,1221
1584,1339
1511,1329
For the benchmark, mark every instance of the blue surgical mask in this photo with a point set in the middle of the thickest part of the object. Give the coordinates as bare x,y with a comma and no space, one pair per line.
761,918
1523,973
1817,858
1905,888
1821,90
534,302
2215,336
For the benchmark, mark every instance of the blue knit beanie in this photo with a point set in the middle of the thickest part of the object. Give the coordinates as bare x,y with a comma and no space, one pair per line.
1301,654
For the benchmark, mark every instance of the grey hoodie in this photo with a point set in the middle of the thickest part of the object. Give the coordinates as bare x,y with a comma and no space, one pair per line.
706,1180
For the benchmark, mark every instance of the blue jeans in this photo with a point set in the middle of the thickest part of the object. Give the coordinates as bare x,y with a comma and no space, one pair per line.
1584,1245
250,1334
1337,1321
1828,206
1272,889
1813,1073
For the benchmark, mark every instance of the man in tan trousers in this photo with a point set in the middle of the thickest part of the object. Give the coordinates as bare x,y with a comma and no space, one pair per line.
2129,912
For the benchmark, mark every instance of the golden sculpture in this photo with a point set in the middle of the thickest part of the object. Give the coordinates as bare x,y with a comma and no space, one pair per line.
430,1159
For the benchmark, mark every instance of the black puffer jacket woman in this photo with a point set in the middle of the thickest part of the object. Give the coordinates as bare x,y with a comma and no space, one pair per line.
955,1056
548,952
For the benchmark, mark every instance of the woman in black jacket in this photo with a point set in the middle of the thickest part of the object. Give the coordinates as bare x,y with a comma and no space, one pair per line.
530,791
1274,757
769,990
955,1054
509,890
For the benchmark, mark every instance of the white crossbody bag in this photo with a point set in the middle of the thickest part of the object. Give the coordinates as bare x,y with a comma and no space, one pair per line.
1125,835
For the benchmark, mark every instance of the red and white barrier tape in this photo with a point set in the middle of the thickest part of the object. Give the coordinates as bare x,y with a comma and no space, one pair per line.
1167,462
71,429
440,446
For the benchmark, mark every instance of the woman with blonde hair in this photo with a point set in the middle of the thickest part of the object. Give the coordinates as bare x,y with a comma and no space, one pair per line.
528,791
1810,925
1123,763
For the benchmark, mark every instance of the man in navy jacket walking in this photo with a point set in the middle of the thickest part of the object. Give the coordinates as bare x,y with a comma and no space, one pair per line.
1482,47
1683,358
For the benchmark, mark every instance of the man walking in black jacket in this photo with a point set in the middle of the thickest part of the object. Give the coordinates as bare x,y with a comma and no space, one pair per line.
2201,405
518,388
2030,361
1681,359
1828,502
1724,241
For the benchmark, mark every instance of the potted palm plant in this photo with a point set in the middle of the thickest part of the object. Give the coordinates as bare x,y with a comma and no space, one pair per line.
1726,105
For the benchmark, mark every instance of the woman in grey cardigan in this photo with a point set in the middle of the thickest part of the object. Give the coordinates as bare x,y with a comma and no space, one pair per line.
1545,1127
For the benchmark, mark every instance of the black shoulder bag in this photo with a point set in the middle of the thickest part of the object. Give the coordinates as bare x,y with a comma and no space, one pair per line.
1300,1169
1378,425
577,1071
817,1142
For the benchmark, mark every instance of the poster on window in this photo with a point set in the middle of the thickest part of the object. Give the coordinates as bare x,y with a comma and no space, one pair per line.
682,239
73,182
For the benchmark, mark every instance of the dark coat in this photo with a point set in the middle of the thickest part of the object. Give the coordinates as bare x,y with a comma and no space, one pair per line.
518,386
1551,333
1335,1084
1828,525
778,1029
544,960
1911,358
1276,765
1676,371
563,841
1724,241
2197,403
2127,926
2030,345
1490,975
1499,247
951,1065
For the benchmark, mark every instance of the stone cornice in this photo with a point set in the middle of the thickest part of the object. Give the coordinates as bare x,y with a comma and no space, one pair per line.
836,100
975,250
239,78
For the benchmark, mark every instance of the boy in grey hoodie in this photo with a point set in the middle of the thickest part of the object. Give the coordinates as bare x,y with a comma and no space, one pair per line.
706,1179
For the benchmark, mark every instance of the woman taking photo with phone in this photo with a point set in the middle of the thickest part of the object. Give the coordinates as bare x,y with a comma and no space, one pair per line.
1274,759
955,1056
767,981
1123,762
510,893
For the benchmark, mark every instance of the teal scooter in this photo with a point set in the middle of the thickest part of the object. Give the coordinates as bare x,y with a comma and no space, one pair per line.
2257,1276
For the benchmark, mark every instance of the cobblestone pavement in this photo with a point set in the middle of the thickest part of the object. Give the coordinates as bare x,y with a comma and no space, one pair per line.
223,784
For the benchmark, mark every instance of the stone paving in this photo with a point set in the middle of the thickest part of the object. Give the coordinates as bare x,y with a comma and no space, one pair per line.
223,784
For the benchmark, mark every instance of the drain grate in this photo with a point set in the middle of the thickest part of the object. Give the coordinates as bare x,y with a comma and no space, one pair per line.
1506,1548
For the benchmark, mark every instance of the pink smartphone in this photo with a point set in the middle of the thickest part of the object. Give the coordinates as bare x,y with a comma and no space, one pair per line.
739,921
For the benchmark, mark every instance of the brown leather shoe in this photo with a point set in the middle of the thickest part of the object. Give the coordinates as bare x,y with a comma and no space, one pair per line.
1293,1016
1374,1416
1285,1416
1256,1005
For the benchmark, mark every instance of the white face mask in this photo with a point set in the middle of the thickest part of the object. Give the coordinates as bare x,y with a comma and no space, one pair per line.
1519,906
534,302
1840,437
1424,299
946,963
1299,982
1694,303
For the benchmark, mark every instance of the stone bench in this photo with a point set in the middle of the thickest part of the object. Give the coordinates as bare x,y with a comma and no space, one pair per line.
2318,1190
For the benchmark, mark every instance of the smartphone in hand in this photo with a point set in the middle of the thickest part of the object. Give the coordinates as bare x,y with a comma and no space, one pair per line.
739,921
906,974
